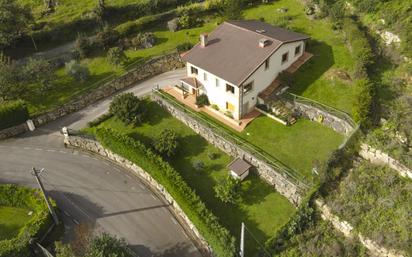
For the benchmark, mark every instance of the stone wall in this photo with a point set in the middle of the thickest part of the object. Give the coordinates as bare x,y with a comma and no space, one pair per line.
347,229
329,120
144,71
13,131
95,147
274,177
378,157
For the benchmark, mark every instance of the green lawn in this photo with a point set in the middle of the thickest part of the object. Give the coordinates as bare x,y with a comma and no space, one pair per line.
317,79
262,209
11,221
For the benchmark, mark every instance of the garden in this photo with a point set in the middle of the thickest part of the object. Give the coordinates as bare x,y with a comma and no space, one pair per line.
377,202
203,167
23,216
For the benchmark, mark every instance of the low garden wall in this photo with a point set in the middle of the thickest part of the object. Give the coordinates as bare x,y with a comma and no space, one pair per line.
378,157
348,230
95,147
144,71
313,113
288,189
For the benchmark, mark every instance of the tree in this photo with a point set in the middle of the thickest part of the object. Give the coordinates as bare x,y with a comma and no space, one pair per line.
202,100
107,38
77,71
38,71
227,190
232,9
10,86
63,250
100,11
106,245
116,56
166,143
128,108
14,22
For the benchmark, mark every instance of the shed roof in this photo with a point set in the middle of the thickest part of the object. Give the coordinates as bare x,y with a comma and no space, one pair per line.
233,51
239,166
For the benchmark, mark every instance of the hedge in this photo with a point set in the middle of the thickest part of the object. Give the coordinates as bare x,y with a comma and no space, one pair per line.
13,113
22,197
218,237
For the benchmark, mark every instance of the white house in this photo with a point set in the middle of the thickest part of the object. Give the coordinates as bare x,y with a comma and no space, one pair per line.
238,61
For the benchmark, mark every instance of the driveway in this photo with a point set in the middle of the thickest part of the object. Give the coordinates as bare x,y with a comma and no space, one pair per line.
95,191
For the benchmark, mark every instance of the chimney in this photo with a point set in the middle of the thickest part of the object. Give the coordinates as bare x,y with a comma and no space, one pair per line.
203,40
263,42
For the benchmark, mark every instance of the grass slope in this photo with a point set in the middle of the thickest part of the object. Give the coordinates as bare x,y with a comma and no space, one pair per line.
262,209
11,221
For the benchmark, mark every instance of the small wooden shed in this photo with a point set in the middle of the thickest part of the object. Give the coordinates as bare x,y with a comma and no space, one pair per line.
239,168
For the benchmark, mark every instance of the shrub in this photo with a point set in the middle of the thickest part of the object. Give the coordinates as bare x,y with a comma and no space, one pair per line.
198,165
77,71
362,109
107,38
212,155
116,56
144,40
202,100
13,113
205,221
215,107
83,46
106,245
128,108
100,119
38,71
227,190
184,47
166,143
229,114
187,21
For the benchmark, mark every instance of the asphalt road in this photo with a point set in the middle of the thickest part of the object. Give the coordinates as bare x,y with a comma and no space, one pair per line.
94,191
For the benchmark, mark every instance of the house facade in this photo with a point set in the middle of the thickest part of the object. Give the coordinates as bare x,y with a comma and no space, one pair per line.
239,60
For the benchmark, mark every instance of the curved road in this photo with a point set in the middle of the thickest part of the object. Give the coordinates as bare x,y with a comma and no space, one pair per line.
94,191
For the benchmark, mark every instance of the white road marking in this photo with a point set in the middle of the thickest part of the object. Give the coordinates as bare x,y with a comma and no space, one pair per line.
51,150
62,151
38,149
26,148
66,213
174,221
153,196
127,176
75,221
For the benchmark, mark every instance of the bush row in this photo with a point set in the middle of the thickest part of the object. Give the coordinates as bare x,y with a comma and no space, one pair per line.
208,224
13,113
22,197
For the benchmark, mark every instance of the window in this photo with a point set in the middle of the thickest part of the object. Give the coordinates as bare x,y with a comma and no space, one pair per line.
297,50
205,76
230,89
217,82
267,64
285,57
247,88
193,70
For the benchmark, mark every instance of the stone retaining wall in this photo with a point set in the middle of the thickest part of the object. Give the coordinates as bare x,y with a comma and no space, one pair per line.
348,230
144,71
95,147
312,113
274,177
378,157
13,131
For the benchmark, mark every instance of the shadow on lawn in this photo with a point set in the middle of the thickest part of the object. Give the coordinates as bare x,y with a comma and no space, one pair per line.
321,61
155,113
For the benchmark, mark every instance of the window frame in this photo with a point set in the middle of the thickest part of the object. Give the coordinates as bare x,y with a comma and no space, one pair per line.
300,49
205,76
192,69
287,57
230,88
217,82
247,85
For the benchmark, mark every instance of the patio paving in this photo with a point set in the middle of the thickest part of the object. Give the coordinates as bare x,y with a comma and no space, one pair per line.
190,100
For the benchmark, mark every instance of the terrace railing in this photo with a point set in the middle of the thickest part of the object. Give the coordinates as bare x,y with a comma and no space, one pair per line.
295,177
329,109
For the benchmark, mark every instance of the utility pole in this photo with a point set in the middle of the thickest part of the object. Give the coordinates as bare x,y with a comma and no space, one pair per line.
242,241
37,173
